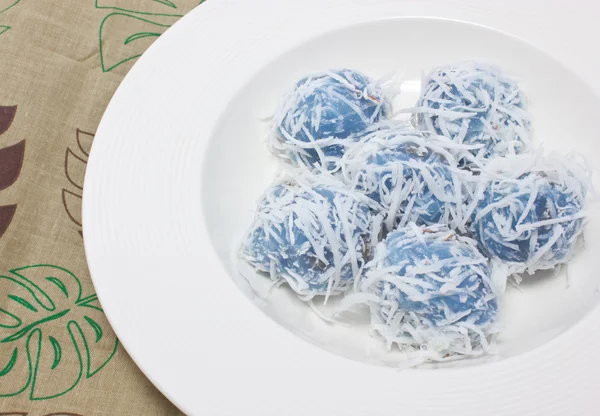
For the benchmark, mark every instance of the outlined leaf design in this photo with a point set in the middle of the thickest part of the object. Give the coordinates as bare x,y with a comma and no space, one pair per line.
145,19
52,336
84,141
63,414
7,4
115,51
146,7
140,35
11,363
76,158
75,168
49,414
72,203
4,6
57,352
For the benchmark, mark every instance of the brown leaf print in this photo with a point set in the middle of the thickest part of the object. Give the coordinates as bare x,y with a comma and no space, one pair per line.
7,213
76,158
75,168
49,414
63,414
72,203
84,141
11,162
7,115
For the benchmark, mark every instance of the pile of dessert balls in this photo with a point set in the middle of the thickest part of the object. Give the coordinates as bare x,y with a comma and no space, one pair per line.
423,220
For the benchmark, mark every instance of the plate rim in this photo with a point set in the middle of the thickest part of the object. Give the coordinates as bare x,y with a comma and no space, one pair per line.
95,185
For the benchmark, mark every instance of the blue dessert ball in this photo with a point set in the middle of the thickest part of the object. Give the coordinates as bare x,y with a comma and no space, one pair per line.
532,221
475,104
434,287
445,276
320,117
317,239
408,172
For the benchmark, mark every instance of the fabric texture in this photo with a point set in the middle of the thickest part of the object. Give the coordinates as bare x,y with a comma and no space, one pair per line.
60,63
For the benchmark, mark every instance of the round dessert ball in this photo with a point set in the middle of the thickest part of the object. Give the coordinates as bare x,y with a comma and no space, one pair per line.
531,221
319,119
435,291
411,174
317,238
475,104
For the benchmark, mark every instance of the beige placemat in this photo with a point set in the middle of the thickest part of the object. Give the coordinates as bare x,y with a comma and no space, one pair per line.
60,63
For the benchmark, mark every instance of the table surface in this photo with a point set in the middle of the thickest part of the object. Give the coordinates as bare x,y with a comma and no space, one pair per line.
61,61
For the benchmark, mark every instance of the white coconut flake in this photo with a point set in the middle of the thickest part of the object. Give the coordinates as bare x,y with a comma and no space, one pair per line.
518,182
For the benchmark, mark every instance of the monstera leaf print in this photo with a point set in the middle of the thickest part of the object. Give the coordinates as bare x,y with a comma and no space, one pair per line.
155,7
118,46
11,162
132,25
7,4
52,336
4,6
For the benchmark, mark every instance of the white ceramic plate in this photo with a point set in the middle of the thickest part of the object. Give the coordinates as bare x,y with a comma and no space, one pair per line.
179,161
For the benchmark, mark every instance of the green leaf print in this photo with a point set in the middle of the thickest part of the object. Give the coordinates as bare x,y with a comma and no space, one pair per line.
51,335
7,4
115,49
4,6
148,7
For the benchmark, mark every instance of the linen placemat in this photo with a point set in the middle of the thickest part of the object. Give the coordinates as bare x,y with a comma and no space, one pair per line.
60,63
